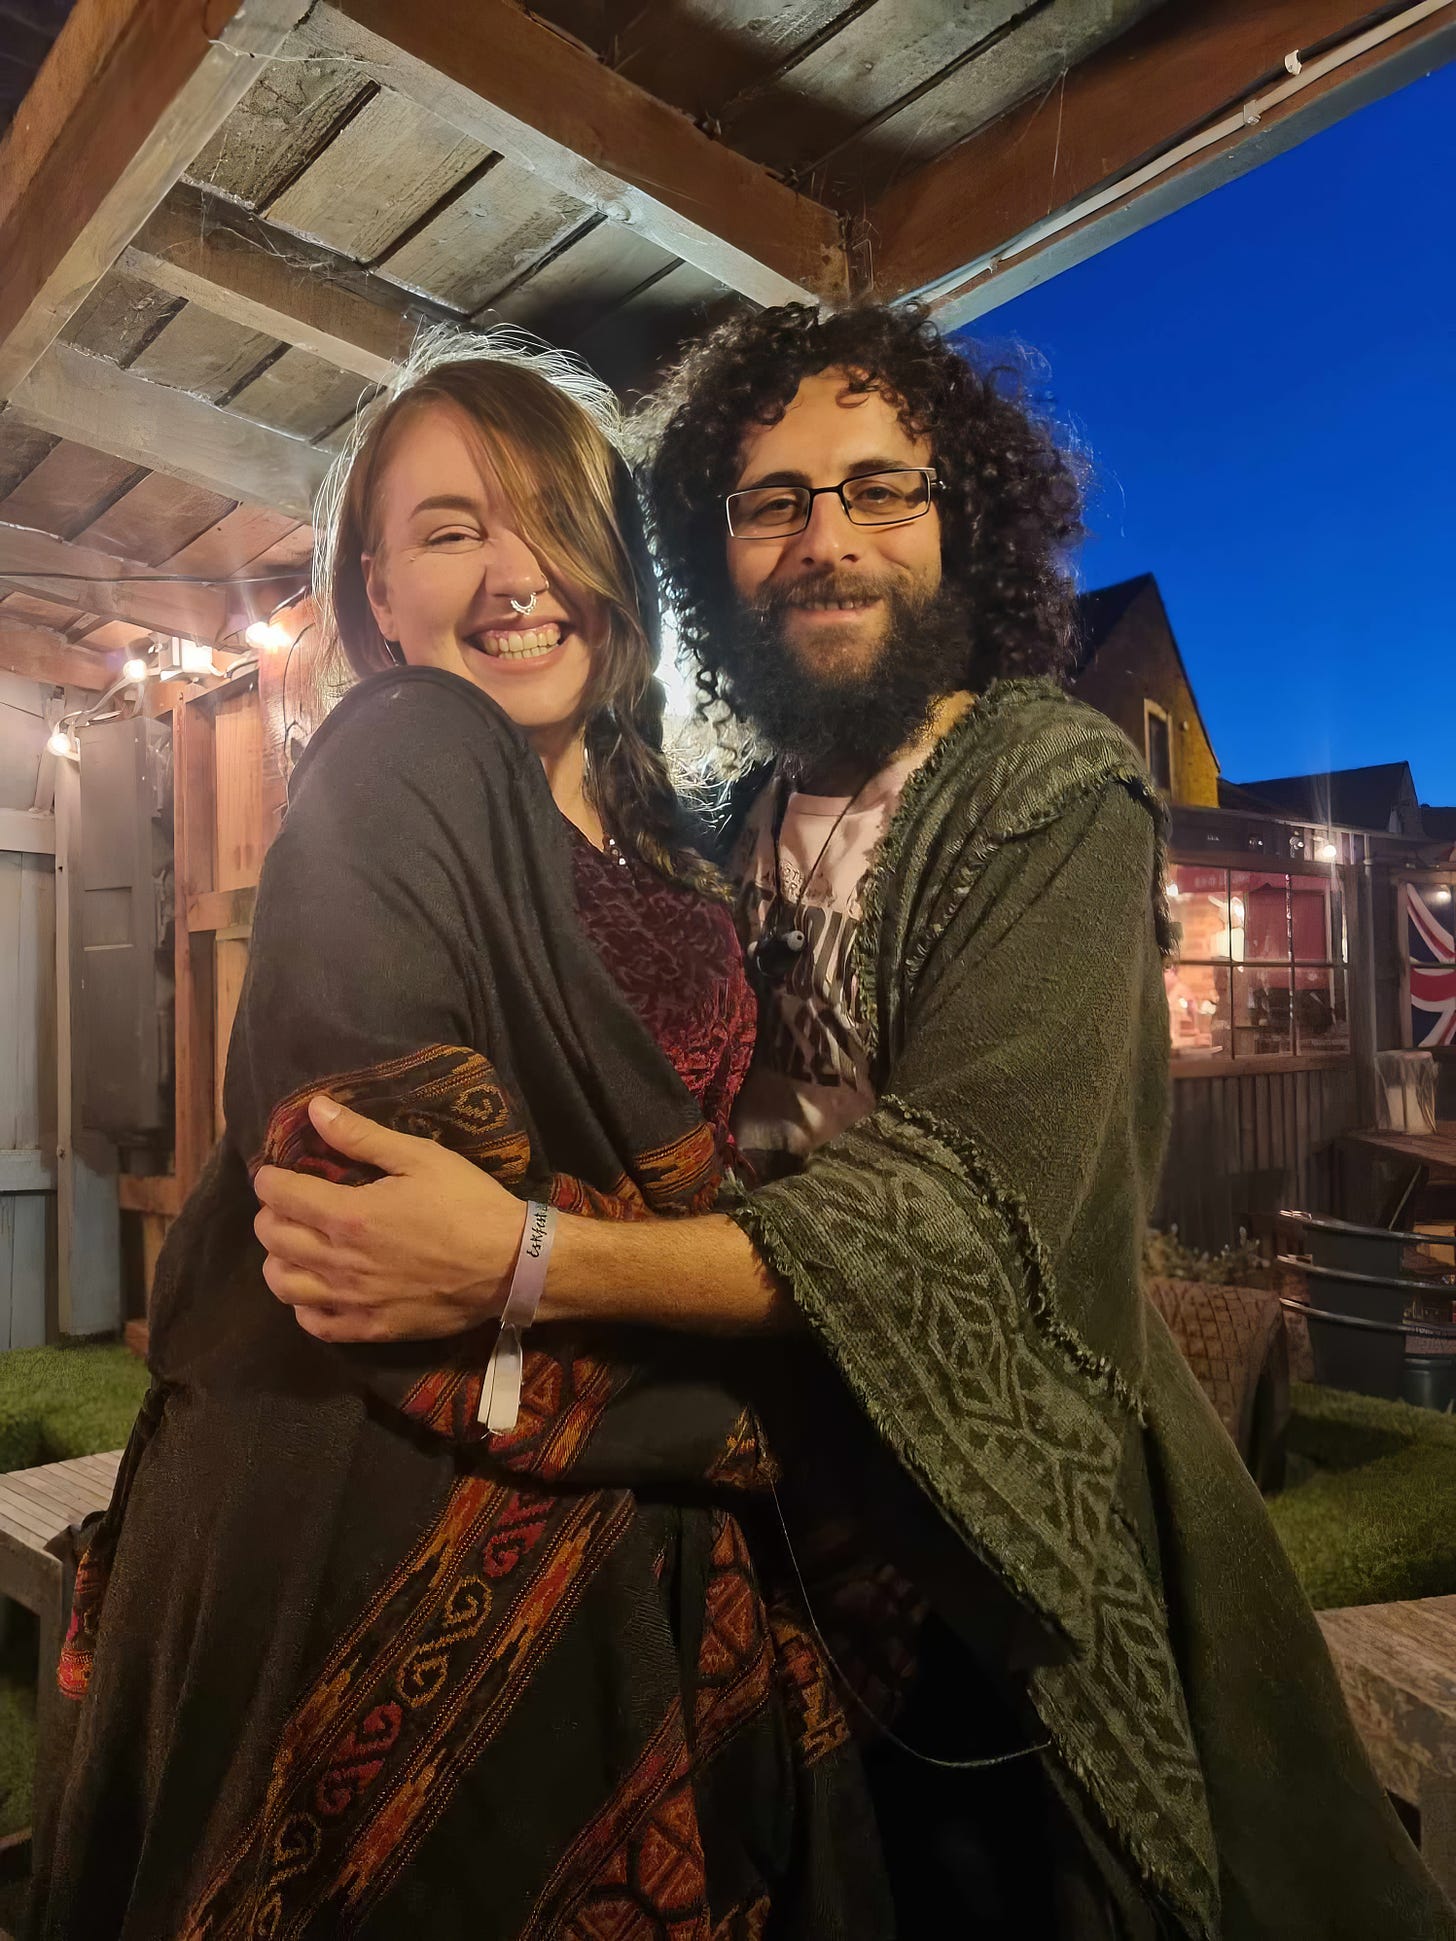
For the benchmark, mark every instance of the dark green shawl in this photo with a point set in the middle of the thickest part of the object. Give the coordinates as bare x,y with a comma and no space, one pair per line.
970,1257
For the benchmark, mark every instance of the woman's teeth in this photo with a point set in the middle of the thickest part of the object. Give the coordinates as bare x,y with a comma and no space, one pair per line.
521,643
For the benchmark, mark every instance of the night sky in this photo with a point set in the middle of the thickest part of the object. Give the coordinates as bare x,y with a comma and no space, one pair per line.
1266,384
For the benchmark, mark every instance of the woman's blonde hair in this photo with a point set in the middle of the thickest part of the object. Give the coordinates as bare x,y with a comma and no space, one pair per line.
552,432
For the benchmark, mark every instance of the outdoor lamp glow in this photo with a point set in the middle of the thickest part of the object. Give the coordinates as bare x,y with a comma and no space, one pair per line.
266,633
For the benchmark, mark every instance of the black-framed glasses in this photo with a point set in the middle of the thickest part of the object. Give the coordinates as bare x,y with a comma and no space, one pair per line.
870,499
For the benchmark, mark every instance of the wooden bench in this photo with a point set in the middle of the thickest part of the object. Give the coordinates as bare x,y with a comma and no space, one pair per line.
1397,1664
36,1506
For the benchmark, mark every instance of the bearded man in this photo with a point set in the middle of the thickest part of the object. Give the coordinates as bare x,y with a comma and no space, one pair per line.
1096,1703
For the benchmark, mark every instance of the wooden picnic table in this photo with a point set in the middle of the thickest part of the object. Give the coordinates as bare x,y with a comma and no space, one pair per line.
1436,1151
1424,1159
1397,1665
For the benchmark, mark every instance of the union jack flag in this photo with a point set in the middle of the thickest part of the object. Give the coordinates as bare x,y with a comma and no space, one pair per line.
1431,952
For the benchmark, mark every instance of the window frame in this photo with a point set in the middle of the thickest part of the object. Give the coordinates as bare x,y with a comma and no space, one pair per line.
1207,1062
1153,710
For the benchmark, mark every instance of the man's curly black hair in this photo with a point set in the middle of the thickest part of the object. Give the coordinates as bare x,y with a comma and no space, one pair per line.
1011,496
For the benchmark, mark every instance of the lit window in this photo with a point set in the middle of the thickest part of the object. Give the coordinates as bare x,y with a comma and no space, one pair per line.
1257,974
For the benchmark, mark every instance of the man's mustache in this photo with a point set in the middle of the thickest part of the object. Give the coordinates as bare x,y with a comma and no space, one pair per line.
828,587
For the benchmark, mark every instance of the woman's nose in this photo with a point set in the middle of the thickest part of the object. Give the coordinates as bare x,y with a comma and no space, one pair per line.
512,570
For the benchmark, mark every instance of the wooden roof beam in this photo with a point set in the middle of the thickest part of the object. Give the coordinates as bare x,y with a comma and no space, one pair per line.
38,654
510,82
129,93
28,559
964,232
198,247
95,402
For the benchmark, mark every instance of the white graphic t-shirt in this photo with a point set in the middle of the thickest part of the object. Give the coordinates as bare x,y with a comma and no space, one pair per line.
810,1072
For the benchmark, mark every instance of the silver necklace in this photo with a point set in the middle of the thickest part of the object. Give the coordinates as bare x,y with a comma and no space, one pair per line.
772,955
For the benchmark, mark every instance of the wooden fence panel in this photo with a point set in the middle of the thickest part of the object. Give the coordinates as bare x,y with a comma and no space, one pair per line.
1248,1142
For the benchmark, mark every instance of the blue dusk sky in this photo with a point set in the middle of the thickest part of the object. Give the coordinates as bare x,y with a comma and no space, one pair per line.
1266,386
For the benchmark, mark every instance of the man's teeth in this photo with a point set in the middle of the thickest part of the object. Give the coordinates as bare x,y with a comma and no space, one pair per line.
522,643
836,606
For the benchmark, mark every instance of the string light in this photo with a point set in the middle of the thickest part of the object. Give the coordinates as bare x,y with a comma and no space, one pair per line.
60,742
135,669
267,634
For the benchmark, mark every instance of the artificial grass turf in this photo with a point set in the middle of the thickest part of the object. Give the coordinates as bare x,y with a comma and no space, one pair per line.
1372,1516
54,1403
62,1402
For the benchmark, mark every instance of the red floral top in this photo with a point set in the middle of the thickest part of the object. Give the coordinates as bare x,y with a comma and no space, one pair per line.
675,955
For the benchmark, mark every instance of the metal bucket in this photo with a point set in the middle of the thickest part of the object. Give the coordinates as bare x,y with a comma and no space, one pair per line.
1429,1381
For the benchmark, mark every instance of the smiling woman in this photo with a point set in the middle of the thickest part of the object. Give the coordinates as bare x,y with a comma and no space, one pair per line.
467,1631
484,523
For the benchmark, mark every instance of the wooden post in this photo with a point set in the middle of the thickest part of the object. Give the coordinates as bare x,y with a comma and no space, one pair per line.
1360,975
88,1252
193,772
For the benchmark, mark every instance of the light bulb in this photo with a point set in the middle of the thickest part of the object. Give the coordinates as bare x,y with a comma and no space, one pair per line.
266,634
135,669
59,742
1326,852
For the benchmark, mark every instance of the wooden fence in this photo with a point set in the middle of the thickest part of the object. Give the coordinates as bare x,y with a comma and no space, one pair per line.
1245,1143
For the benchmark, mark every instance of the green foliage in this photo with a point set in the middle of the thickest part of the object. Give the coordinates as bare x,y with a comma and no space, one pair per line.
1372,1519
1165,1258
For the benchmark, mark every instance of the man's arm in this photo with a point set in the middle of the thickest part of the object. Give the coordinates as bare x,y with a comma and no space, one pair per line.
428,1251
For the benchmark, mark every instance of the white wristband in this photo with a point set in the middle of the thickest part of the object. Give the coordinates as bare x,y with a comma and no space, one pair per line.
500,1394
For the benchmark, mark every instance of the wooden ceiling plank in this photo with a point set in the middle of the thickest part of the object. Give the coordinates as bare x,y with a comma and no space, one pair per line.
943,233
1008,68
593,274
22,448
238,539
55,614
875,60
302,395
203,353
155,519
115,636
130,92
120,317
71,486
237,267
513,84
290,554
26,557
699,54
90,399
630,344
385,169
39,654
485,238
286,117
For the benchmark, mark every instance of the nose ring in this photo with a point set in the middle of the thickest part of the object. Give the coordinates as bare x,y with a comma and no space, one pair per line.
525,606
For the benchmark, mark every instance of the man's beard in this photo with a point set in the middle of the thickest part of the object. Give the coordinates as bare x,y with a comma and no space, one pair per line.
855,717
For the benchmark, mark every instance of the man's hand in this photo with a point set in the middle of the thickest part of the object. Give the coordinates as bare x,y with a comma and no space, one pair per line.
426,1251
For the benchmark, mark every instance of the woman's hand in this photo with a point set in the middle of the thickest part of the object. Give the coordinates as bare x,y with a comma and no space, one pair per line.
426,1251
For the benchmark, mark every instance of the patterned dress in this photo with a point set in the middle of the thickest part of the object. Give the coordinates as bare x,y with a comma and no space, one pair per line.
343,1663
675,956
